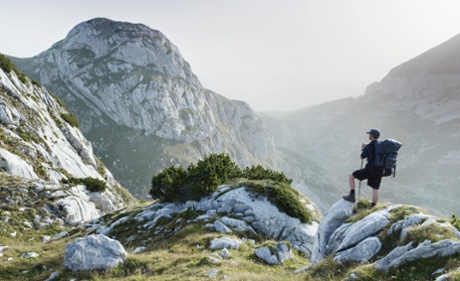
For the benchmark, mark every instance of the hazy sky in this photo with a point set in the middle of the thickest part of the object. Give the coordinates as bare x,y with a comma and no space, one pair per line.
274,54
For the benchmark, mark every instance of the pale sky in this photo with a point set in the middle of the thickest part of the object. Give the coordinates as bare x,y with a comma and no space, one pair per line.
277,55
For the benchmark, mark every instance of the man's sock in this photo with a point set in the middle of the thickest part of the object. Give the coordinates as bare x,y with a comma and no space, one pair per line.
352,192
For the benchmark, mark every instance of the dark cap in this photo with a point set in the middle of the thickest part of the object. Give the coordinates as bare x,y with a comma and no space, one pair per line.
374,132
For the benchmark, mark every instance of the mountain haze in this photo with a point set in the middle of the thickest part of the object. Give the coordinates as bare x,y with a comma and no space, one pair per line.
417,104
140,104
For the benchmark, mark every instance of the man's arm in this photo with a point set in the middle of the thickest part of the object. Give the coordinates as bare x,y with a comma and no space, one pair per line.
365,151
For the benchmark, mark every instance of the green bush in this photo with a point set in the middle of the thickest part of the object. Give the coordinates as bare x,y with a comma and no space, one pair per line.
203,178
455,222
169,184
92,184
71,119
177,184
260,173
7,65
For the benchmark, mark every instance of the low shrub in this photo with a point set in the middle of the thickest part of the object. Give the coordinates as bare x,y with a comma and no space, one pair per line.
71,119
92,184
203,178
7,65
178,184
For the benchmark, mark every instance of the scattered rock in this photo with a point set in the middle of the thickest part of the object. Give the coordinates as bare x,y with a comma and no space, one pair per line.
212,273
138,250
93,252
53,276
61,235
29,255
46,238
225,242
303,269
225,254
276,254
214,260
221,228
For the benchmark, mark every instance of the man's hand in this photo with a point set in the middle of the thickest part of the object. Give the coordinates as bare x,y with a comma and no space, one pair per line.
363,146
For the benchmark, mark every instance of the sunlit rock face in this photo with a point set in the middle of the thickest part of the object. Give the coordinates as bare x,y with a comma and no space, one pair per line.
134,93
42,151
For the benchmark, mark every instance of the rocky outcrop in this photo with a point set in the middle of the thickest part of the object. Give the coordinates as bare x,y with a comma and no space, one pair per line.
363,240
41,147
93,252
330,222
227,210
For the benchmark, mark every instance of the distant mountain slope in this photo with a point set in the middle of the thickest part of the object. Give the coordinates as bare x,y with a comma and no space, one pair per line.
418,104
140,104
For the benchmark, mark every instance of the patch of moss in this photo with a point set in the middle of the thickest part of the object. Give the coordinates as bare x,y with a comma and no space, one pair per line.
71,119
282,196
432,232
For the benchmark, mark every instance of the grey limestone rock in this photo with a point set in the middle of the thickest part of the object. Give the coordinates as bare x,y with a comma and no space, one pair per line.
408,253
362,252
276,254
225,242
364,228
93,252
332,219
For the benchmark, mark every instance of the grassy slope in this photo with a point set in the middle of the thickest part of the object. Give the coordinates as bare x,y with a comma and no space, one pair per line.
184,254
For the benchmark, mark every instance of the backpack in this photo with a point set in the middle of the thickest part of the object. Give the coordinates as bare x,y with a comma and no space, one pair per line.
386,152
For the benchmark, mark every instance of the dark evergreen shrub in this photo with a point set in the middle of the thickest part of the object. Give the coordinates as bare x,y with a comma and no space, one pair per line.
203,178
92,184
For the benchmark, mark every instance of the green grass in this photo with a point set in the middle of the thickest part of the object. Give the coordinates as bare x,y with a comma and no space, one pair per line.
183,256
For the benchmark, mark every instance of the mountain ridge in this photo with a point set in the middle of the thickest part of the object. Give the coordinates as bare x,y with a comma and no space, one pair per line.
417,104
140,81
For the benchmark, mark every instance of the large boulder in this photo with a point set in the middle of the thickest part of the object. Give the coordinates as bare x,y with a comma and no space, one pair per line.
361,253
409,253
93,252
332,220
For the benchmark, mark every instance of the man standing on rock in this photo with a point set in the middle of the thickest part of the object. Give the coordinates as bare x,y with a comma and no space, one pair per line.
370,172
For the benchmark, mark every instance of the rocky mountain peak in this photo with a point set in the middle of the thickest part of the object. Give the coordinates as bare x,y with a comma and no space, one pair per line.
133,44
135,94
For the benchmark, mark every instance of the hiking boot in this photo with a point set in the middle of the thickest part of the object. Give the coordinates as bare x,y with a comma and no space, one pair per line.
350,198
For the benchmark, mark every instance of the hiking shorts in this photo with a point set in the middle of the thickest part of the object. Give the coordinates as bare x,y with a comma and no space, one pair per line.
373,176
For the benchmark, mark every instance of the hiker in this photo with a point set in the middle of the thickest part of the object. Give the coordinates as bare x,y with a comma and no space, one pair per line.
370,172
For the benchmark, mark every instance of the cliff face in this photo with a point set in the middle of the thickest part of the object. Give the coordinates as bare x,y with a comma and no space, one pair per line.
129,83
42,149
